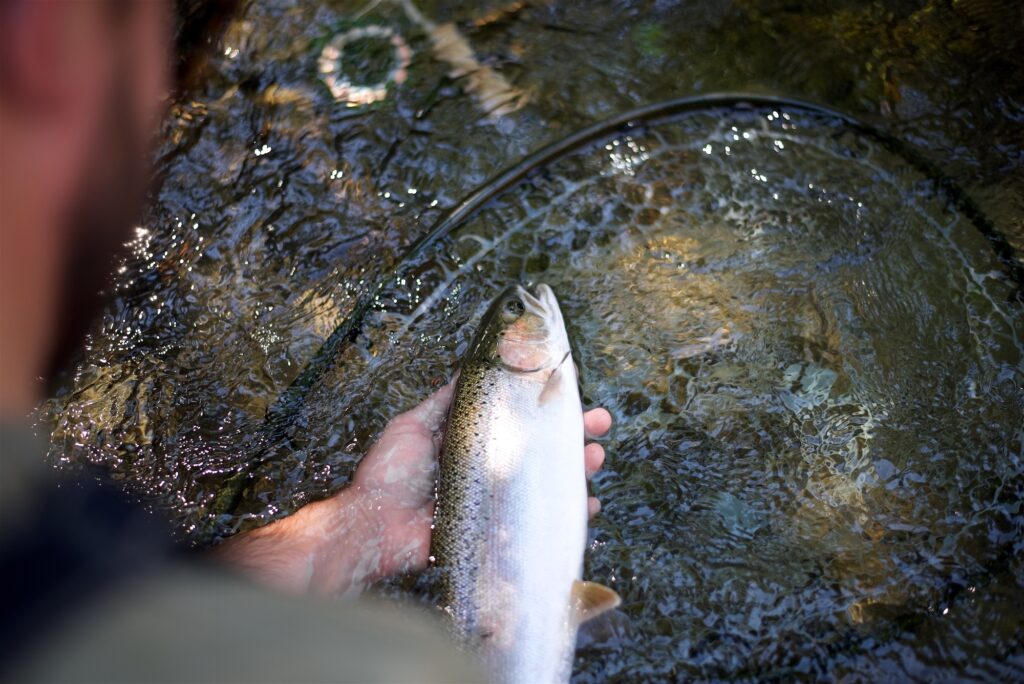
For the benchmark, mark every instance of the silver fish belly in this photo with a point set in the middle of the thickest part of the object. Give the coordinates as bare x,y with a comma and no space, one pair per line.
511,517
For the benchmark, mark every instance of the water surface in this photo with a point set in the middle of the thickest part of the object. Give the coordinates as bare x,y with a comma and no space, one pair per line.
814,359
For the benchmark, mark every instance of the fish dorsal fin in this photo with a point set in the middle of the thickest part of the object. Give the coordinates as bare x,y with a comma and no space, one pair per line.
590,599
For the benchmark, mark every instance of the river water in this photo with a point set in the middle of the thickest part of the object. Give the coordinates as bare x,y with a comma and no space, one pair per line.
813,356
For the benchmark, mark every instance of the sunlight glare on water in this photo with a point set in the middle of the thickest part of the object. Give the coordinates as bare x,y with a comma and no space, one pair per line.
815,365
800,385
814,361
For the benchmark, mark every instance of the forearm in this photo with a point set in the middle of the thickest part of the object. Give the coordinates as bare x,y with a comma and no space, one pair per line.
328,546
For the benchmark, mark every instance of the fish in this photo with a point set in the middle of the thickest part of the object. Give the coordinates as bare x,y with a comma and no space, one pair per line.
510,523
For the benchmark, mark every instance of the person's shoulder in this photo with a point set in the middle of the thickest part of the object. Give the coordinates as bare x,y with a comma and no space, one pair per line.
192,623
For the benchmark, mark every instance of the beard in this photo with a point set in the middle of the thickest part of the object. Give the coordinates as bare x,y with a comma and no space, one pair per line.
108,203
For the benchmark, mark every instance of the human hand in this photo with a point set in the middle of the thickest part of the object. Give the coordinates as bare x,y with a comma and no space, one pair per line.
397,477
379,525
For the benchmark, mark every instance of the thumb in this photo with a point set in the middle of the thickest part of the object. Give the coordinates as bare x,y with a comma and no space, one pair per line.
431,411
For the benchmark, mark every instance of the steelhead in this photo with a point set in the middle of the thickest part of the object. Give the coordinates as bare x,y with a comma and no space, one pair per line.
510,525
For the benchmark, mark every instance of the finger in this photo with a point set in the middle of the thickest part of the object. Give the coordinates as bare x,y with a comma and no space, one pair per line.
593,458
431,411
597,422
593,506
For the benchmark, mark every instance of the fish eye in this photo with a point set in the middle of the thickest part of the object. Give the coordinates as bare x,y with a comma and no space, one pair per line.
512,310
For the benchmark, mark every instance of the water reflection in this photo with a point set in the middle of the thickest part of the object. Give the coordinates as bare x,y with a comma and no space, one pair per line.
787,352
815,362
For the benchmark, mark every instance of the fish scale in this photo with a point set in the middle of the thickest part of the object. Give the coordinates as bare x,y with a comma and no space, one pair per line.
510,523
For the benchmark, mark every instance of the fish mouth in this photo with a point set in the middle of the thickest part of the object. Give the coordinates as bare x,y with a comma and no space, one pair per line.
543,303
547,297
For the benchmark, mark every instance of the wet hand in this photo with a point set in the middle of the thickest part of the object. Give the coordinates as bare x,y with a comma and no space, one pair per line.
397,477
378,526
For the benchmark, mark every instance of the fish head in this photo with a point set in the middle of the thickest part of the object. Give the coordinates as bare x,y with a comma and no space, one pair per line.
523,332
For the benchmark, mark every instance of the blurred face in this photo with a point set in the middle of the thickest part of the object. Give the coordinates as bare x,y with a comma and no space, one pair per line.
107,193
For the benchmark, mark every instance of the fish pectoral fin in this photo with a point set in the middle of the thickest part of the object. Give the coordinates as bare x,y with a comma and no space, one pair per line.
551,387
590,599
